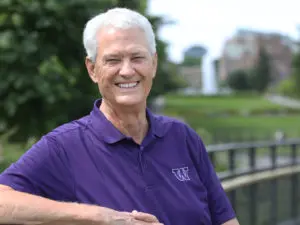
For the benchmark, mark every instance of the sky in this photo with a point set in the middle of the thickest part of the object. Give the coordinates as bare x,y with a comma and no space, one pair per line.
211,22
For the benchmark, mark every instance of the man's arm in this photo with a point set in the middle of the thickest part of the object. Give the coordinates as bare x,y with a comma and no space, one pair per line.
22,208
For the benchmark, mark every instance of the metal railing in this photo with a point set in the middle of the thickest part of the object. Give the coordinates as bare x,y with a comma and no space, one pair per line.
251,172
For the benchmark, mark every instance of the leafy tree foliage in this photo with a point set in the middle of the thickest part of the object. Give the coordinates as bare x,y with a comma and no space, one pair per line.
296,74
238,80
261,74
43,80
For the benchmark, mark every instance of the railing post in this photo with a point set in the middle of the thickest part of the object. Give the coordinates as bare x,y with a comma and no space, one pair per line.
231,159
295,185
252,188
273,150
253,205
232,167
294,193
294,154
213,158
232,197
252,159
273,209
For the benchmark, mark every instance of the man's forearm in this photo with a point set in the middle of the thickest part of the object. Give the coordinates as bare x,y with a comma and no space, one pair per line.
21,208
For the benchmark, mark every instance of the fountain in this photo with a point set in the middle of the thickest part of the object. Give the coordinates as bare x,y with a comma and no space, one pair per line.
209,80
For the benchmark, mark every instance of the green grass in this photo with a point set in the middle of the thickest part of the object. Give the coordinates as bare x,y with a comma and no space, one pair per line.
253,122
220,103
234,115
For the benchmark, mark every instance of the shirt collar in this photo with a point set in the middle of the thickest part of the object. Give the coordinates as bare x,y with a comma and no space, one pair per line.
105,130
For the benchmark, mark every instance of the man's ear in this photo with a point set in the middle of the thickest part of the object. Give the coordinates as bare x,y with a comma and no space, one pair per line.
90,66
155,59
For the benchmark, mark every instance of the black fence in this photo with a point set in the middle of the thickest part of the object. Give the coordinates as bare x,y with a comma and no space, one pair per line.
261,179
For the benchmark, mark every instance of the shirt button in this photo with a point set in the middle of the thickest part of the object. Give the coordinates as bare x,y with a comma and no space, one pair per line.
142,147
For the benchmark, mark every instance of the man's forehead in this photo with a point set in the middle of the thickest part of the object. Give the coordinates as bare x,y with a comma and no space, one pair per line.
112,40
118,32
129,51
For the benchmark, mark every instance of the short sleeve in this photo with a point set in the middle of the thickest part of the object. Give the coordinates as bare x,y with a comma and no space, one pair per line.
42,171
219,205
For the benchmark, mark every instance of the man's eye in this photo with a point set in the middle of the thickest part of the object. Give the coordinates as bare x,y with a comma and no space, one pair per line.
138,57
113,60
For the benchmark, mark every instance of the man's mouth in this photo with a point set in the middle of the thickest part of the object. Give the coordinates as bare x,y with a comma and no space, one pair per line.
127,85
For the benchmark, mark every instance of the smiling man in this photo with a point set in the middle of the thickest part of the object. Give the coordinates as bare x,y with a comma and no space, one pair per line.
120,164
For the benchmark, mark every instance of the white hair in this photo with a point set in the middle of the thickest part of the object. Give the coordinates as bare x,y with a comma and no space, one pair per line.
119,18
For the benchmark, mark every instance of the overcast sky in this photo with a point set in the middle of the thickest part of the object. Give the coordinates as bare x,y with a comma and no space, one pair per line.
210,22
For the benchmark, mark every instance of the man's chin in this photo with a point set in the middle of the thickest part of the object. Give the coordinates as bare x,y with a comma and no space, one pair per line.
130,100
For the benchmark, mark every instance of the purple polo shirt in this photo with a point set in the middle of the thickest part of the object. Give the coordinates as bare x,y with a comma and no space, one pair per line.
90,161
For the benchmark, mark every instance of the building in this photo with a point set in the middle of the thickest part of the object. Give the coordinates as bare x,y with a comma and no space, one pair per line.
241,52
191,69
192,75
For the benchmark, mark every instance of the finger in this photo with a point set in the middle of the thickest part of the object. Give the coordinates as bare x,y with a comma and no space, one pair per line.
144,217
138,222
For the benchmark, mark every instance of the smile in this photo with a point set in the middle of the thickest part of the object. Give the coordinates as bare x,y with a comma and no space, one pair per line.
128,85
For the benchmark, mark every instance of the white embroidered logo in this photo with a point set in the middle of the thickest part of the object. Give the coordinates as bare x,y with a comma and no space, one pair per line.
182,174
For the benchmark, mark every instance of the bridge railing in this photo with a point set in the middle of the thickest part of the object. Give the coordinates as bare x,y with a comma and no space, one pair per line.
244,166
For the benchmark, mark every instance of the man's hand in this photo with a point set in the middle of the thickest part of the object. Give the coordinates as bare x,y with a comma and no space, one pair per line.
144,217
108,216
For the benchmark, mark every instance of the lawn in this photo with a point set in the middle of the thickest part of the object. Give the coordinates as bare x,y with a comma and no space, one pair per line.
233,116
220,103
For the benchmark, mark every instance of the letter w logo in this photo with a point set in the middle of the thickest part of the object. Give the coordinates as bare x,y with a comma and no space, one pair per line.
182,174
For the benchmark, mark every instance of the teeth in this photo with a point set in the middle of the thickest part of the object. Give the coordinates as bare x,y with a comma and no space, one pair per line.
129,85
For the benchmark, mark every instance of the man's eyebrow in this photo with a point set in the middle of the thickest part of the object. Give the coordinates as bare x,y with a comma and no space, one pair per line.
111,56
138,53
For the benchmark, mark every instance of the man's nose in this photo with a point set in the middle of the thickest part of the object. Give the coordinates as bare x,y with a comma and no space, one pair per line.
127,69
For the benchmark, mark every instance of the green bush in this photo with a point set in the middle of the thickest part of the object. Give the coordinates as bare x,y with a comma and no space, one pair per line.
238,80
287,88
4,165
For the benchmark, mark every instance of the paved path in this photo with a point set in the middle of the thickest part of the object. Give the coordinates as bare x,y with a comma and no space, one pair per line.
284,101
263,161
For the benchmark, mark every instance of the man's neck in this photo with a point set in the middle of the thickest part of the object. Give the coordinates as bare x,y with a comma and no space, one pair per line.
132,121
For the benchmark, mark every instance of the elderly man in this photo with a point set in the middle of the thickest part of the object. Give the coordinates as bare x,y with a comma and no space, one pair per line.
120,164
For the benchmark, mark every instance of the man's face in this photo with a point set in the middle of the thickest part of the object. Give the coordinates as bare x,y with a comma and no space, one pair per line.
124,68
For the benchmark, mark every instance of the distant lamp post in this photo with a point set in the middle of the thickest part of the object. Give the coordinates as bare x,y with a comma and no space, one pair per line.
279,136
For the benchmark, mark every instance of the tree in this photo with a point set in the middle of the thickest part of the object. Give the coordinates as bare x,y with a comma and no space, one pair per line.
287,87
261,74
167,78
43,80
296,72
238,80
